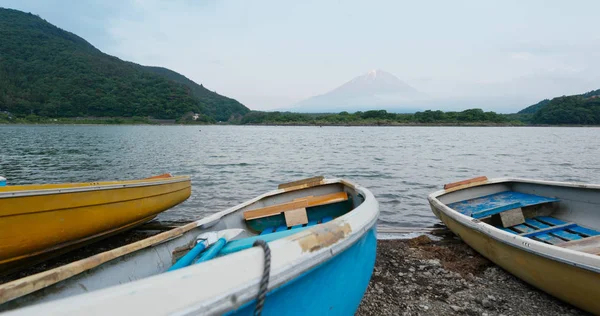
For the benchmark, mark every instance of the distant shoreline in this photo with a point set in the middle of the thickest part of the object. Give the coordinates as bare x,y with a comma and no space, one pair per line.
299,124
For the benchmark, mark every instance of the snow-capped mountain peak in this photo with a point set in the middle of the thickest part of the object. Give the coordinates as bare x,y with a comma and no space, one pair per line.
375,88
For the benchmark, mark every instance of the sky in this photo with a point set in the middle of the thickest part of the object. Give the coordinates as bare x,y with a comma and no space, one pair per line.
271,54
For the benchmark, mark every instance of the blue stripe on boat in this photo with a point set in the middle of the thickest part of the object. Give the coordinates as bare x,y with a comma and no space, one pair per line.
312,223
267,230
522,228
326,219
496,210
297,226
549,239
566,235
584,231
535,223
549,230
496,200
281,228
550,220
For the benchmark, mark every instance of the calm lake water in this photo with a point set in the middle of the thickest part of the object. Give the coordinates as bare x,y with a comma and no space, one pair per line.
230,164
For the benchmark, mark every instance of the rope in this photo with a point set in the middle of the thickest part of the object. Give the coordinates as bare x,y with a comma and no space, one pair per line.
264,281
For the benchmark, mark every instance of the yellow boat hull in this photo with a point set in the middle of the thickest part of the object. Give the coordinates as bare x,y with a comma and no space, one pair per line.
36,220
569,283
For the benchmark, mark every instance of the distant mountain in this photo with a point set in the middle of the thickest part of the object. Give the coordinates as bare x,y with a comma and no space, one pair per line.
376,89
49,72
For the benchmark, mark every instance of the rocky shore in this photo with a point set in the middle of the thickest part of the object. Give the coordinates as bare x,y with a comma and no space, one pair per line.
421,276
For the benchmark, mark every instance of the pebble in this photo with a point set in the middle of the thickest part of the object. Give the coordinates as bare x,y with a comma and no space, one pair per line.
456,308
486,303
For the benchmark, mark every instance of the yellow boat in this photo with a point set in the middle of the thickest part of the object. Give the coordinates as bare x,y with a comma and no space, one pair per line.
546,233
39,221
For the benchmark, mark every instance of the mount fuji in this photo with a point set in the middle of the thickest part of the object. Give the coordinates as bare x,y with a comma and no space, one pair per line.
376,89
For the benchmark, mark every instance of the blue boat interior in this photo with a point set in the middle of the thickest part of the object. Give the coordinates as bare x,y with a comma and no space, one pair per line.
274,221
542,228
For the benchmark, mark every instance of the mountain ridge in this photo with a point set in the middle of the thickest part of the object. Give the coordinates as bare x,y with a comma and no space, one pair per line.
50,72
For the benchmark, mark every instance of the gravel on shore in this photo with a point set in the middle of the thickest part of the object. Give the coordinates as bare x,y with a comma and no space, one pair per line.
421,276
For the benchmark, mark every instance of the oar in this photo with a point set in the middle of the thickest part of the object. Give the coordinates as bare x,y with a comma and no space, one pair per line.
214,250
204,241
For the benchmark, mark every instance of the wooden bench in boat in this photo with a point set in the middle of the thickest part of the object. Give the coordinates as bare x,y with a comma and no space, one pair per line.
588,245
301,212
280,228
309,201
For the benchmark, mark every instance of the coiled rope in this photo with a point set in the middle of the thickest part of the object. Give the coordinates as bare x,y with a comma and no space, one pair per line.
264,281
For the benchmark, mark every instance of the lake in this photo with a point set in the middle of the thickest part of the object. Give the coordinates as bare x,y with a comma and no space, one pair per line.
230,164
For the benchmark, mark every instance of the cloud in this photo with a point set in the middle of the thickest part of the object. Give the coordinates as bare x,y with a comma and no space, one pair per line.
522,56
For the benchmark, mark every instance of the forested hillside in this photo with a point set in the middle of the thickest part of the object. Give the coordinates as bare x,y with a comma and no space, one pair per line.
581,109
48,72
219,107
534,108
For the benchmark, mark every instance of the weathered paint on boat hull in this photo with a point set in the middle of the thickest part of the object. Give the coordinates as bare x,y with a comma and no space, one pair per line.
567,282
35,226
335,287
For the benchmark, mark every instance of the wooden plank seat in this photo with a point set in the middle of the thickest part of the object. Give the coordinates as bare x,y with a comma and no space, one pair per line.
310,201
551,230
496,203
588,245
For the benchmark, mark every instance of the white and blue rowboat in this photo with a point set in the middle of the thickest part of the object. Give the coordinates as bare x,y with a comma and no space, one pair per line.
322,242
546,233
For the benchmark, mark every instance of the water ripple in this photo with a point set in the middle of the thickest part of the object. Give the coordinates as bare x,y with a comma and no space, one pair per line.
230,164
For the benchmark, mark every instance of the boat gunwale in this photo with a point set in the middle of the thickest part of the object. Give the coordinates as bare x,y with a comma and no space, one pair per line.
246,291
564,255
98,187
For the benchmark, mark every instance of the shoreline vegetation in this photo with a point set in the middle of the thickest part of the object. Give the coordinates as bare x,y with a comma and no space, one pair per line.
471,117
